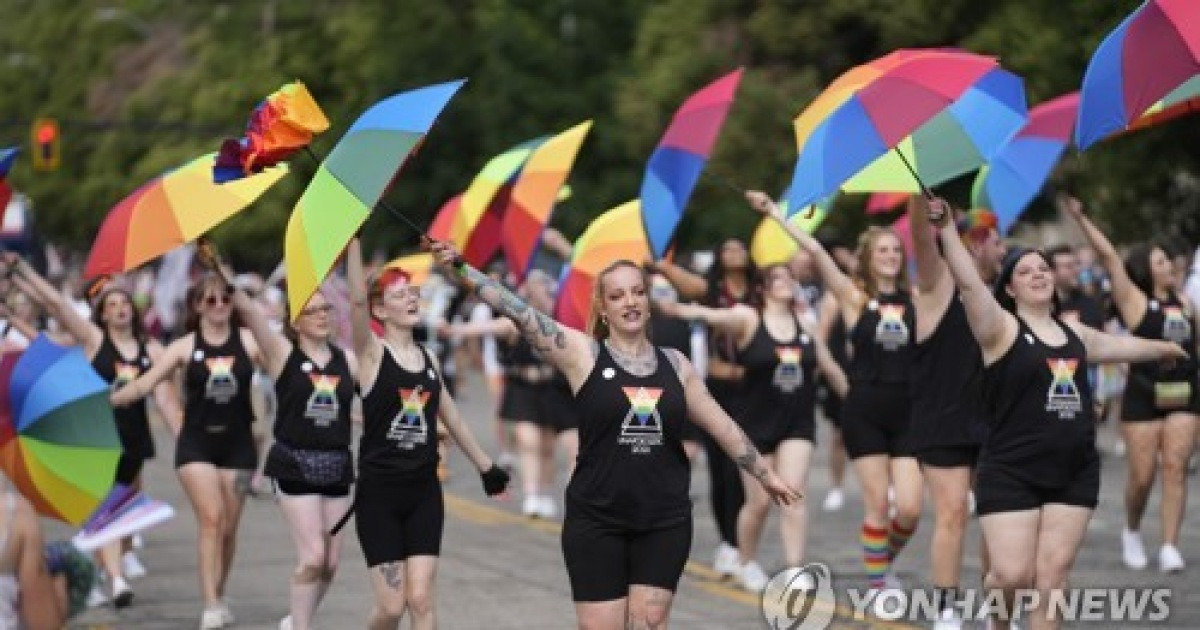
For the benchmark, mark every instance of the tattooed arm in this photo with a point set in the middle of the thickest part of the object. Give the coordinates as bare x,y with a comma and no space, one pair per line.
567,349
708,415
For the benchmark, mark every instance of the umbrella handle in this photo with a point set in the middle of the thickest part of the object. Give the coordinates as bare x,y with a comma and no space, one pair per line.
924,189
211,258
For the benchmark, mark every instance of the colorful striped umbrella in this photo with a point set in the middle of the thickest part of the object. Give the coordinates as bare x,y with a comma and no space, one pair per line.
534,194
676,163
1151,61
1010,181
617,234
884,202
7,157
475,229
282,124
947,111
175,208
351,180
772,244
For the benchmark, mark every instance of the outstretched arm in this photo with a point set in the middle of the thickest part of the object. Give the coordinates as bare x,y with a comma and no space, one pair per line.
689,285
834,374
1127,297
835,281
736,321
566,349
1105,348
994,328
31,283
141,386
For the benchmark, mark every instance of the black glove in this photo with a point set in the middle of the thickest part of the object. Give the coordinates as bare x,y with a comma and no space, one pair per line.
495,480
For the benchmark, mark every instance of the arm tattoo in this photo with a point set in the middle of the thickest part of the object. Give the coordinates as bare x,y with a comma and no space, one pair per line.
750,460
393,576
540,330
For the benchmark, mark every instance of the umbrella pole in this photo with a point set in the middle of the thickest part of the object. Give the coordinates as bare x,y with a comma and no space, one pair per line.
924,189
725,181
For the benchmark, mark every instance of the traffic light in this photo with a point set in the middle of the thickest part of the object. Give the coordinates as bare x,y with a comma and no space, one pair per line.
47,152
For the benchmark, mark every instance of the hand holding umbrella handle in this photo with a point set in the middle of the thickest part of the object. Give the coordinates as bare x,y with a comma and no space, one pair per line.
938,211
445,254
207,252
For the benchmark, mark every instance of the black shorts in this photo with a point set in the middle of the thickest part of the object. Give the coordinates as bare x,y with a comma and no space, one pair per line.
949,456
831,404
399,519
800,429
136,438
557,407
603,561
999,490
129,467
294,488
1140,402
875,421
231,448
521,402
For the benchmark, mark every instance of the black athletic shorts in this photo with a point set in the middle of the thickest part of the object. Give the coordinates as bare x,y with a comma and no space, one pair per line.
295,488
231,448
1145,400
999,490
399,519
603,561
128,469
949,456
875,421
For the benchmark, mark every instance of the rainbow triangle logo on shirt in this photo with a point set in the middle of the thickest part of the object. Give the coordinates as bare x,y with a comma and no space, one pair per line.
892,331
219,366
125,373
789,355
1176,326
788,375
643,402
414,405
325,384
1063,397
1064,375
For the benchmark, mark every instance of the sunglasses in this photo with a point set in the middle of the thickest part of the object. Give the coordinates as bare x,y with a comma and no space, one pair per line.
214,300
318,310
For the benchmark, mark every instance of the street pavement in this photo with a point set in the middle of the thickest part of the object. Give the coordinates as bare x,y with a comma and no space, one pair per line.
500,570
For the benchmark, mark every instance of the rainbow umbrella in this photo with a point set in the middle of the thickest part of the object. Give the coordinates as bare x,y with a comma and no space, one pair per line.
772,244
884,202
617,234
534,194
419,266
475,229
282,124
168,211
58,438
443,221
1018,171
676,163
351,180
1151,60
946,111
7,157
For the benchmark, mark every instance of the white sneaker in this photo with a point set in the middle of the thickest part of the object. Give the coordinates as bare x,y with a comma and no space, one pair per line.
96,597
285,623
547,508
122,595
1132,550
131,566
725,561
1170,560
226,614
752,577
834,500
212,619
948,620
531,505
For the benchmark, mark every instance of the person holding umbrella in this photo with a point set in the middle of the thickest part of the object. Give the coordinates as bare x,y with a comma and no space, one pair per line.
628,525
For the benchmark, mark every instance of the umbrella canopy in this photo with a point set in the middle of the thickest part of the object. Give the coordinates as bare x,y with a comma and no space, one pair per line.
1150,61
175,208
948,111
475,229
534,194
676,163
772,244
58,439
418,266
282,124
1018,171
617,234
7,157
885,202
351,180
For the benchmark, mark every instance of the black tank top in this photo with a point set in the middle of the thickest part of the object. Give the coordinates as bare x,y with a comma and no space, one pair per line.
217,383
671,332
1170,321
314,402
632,471
946,391
882,341
1043,428
118,371
781,383
728,392
400,413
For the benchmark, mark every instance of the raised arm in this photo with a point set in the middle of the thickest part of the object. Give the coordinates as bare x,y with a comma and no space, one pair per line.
738,321
499,326
708,415
993,327
689,285
140,387
273,346
31,283
366,345
1128,298
834,374
1103,347
835,281
566,349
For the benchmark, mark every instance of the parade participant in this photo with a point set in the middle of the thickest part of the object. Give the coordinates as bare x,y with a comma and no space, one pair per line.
399,513
782,355
1038,474
628,528
214,451
1159,409
878,314
948,420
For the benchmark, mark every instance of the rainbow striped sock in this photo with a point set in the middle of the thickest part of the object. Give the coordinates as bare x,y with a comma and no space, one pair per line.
898,536
875,554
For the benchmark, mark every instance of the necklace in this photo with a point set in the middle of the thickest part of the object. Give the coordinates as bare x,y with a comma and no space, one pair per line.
639,365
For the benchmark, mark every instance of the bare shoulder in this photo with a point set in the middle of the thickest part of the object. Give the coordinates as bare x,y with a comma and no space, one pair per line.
679,363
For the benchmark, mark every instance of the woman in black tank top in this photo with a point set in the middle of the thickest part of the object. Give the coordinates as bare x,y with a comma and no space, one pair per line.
1038,477
627,531
310,459
117,347
1160,404
878,314
398,499
782,356
214,449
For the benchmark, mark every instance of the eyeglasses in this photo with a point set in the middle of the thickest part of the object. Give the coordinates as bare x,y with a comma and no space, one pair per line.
213,300
318,310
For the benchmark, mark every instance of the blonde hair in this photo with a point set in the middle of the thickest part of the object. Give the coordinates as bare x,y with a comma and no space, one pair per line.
597,326
866,246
